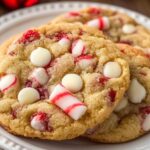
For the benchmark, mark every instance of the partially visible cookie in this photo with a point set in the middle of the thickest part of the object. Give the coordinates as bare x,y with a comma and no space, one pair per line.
56,81
118,26
131,118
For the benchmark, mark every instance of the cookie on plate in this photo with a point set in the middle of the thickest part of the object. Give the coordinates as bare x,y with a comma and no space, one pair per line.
56,81
119,27
131,118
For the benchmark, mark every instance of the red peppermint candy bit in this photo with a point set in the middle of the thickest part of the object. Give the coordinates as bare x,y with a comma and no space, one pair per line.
126,42
145,110
94,10
44,94
75,44
147,55
102,80
51,64
83,57
112,95
58,36
143,73
14,113
12,53
81,32
32,83
122,51
28,83
11,78
42,117
29,36
73,14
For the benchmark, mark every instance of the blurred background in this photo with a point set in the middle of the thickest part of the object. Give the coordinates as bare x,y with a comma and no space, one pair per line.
142,6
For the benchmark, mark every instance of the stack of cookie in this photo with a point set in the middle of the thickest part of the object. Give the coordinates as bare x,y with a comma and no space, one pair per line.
85,73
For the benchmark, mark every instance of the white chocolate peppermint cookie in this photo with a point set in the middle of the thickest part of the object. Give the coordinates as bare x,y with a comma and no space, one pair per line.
61,86
40,57
133,111
72,82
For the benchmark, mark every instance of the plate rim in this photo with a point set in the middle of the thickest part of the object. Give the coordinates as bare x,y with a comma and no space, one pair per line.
7,19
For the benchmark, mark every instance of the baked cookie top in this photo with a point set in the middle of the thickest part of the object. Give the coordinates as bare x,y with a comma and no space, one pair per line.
57,81
119,27
131,118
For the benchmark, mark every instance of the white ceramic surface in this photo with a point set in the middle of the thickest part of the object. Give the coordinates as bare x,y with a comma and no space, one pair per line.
20,20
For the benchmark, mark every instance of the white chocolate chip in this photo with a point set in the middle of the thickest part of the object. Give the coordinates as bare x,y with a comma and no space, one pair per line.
72,82
40,75
146,123
7,81
128,29
64,42
40,57
37,124
122,104
136,91
28,95
112,70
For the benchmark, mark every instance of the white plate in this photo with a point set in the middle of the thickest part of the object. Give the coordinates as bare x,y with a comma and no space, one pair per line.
20,20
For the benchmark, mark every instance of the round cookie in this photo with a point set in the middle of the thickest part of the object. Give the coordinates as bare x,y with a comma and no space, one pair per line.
118,26
35,73
130,118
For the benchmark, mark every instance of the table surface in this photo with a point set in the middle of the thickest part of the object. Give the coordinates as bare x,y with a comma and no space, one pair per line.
142,6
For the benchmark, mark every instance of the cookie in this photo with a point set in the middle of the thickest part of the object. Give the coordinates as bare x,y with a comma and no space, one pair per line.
130,118
118,26
53,81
